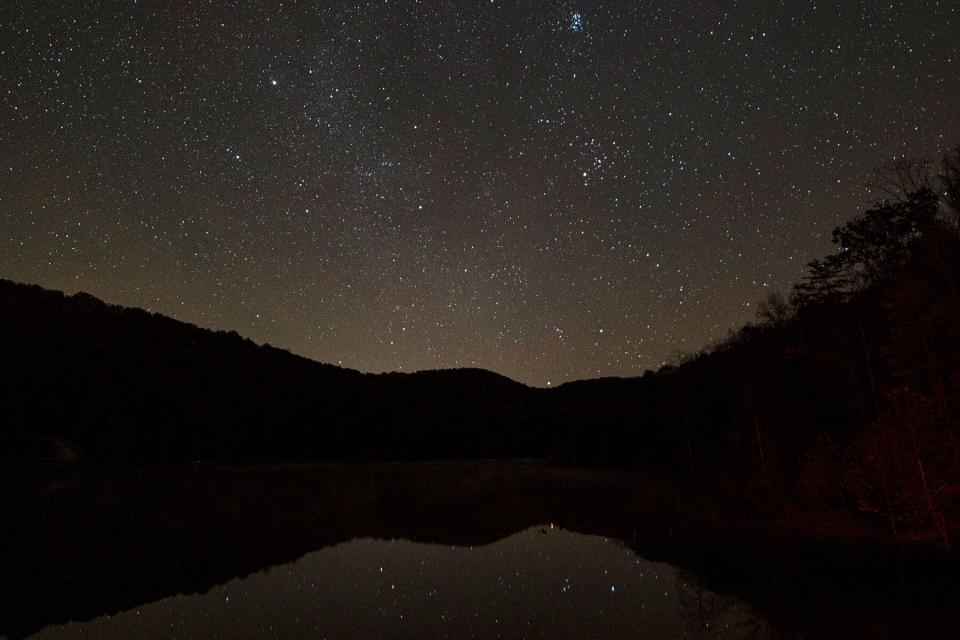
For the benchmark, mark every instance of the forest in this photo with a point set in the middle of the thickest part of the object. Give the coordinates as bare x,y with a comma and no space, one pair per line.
843,395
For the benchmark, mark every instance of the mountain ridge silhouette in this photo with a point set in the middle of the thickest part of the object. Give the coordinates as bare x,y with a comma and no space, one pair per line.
121,365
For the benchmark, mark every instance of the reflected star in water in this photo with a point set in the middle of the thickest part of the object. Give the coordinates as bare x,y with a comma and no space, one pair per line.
511,585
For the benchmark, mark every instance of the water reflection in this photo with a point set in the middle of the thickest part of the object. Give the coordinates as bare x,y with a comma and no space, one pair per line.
543,582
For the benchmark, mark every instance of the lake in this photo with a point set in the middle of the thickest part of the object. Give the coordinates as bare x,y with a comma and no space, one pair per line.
543,582
458,550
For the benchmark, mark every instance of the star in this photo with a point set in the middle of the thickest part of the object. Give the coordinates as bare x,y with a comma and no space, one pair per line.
668,179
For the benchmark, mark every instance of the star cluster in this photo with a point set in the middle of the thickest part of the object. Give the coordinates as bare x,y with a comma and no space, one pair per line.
544,189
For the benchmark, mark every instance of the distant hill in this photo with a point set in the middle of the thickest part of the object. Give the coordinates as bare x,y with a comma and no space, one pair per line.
125,385
846,395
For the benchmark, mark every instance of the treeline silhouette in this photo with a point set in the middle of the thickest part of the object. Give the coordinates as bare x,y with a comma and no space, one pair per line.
844,394
127,386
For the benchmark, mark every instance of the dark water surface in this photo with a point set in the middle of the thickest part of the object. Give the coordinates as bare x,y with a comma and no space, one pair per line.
458,550
539,583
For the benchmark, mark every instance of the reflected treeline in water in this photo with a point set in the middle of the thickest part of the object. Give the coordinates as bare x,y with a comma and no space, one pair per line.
82,544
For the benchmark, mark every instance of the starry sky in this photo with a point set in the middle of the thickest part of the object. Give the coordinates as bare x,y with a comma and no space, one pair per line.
545,189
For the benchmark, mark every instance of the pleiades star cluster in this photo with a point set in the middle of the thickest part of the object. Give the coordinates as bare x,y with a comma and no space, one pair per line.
549,190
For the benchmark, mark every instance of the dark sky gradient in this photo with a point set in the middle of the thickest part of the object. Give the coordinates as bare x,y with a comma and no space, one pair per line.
544,189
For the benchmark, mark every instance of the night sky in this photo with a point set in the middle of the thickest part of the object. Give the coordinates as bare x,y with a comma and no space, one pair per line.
547,190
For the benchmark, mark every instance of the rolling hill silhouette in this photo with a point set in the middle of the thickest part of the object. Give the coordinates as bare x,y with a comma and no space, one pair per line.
125,385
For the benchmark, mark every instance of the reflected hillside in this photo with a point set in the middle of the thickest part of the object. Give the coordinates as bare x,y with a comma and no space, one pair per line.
542,582
88,543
